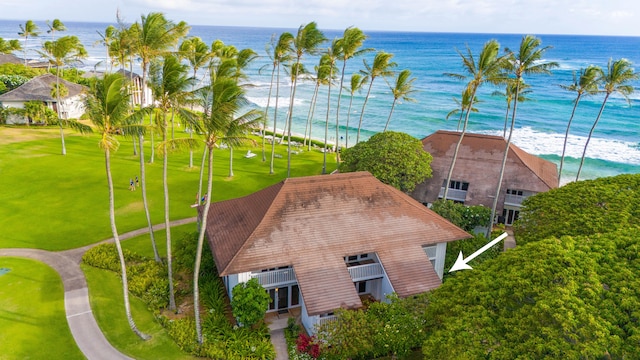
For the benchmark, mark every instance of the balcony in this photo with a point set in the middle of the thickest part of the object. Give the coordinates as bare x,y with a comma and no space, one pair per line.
515,200
275,277
365,272
454,194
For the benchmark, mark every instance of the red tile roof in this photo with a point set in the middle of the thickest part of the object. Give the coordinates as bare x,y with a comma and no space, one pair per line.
312,223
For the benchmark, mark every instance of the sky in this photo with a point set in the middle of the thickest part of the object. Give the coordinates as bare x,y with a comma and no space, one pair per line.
584,17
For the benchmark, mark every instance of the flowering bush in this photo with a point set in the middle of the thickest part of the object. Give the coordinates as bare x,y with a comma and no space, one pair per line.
308,345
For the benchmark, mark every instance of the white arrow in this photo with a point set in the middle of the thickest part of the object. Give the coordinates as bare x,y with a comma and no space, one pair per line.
461,263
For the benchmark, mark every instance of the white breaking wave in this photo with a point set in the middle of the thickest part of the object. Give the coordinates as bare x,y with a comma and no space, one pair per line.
283,102
540,143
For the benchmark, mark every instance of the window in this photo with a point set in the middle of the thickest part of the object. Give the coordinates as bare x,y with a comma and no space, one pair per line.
515,192
361,287
431,253
457,185
356,258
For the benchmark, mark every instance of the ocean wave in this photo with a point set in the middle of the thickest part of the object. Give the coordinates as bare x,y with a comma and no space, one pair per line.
283,101
541,143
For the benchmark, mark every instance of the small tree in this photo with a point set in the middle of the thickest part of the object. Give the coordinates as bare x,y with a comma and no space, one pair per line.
394,158
250,302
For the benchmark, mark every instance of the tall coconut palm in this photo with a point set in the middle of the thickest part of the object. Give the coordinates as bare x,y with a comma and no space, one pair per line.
350,44
9,46
508,94
402,88
330,57
463,106
355,85
226,101
488,69
306,42
170,83
586,83
280,54
615,79
59,53
382,67
107,106
55,25
321,78
106,39
29,29
527,60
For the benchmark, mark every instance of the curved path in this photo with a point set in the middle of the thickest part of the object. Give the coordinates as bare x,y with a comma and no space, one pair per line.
82,323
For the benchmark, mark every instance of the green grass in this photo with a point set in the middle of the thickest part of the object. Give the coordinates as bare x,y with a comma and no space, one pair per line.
33,324
56,202
107,304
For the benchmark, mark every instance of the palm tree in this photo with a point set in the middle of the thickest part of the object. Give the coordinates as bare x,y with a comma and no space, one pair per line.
29,29
9,46
401,90
463,106
280,54
615,80
107,105
528,60
487,69
55,25
508,94
329,60
170,83
350,44
59,53
322,78
306,41
106,39
356,84
382,66
225,100
586,83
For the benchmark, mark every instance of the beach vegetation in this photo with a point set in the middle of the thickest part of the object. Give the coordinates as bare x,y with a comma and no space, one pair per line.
29,29
395,158
527,60
585,83
53,26
401,89
382,66
488,69
617,79
9,46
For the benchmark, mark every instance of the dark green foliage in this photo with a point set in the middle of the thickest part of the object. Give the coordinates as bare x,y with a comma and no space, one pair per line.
10,82
468,247
581,208
105,256
573,298
392,157
381,330
463,216
249,302
184,256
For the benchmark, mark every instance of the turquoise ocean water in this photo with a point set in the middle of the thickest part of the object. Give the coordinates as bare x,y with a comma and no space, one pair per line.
540,124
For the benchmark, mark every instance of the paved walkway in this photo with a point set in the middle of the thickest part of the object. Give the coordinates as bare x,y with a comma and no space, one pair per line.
276,327
82,323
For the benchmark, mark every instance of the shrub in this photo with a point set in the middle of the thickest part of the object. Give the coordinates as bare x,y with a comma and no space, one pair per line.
249,302
308,345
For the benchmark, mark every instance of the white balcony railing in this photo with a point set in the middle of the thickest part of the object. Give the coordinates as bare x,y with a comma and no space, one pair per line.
454,194
514,200
365,272
325,319
275,277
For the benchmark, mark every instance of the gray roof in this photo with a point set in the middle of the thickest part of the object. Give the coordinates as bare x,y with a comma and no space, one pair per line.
10,58
39,89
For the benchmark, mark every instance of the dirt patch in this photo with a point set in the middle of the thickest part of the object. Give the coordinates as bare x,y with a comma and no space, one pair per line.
10,134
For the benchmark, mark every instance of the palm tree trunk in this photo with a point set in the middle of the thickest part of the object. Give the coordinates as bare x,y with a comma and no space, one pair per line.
346,134
266,115
362,113
455,153
190,150
390,112
584,152
196,270
275,121
64,147
123,268
506,120
307,128
143,189
326,126
167,225
230,161
344,65
289,121
566,136
313,110
504,160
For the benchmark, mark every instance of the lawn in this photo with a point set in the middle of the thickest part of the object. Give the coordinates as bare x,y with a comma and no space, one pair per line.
33,323
56,202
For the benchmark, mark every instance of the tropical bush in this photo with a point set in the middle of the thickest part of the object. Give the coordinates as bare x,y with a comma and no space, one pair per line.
11,82
249,302
463,216
581,208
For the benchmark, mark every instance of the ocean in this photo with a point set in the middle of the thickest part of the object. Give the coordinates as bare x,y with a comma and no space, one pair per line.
540,124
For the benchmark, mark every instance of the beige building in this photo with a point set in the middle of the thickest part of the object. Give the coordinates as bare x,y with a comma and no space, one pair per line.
319,243
477,169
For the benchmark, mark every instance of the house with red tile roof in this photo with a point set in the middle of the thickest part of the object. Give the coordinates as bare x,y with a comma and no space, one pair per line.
319,243
477,169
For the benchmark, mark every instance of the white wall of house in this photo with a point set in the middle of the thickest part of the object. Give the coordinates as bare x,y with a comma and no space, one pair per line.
441,253
72,108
